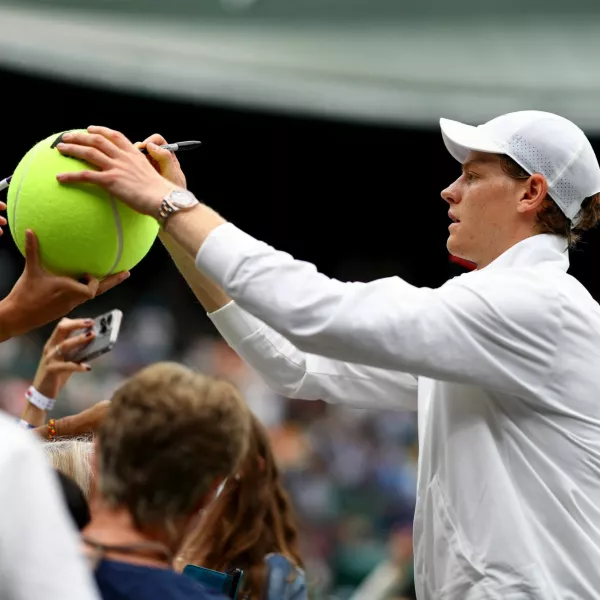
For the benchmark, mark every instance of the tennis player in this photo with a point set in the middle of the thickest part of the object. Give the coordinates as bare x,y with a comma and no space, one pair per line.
502,363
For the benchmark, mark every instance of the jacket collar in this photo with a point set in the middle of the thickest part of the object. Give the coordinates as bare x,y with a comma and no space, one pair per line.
541,249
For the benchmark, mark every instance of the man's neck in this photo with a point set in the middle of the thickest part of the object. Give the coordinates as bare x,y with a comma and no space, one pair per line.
516,238
115,527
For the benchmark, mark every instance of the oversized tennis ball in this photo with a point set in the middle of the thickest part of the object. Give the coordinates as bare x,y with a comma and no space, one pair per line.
80,227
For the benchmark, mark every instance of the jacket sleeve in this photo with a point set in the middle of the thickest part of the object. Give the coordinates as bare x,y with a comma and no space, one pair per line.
496,329
296,374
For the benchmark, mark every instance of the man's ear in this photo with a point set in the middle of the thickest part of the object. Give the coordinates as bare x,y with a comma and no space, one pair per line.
533,193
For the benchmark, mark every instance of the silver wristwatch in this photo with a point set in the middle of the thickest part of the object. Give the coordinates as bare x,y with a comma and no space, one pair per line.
178,199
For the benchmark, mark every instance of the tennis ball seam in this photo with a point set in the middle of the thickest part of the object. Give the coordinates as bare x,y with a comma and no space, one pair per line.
16,202
119,228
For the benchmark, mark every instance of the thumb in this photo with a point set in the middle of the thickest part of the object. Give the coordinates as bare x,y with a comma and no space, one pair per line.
160,155
32,250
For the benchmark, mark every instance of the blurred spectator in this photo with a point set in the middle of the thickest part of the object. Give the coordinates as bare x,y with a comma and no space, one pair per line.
73,458
167,441
75,500
251,525
39,551
309,445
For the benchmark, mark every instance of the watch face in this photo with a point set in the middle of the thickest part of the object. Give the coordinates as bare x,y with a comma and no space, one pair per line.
182,198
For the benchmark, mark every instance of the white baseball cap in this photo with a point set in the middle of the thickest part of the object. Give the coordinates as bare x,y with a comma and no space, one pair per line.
539,142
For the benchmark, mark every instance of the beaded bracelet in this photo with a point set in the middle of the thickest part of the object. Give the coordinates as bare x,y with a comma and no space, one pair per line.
51,429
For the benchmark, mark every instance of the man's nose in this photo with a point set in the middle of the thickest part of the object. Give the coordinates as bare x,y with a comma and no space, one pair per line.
451,194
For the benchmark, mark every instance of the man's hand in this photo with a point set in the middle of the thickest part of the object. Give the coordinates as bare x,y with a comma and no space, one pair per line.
126,173
40,297
122,169
164,161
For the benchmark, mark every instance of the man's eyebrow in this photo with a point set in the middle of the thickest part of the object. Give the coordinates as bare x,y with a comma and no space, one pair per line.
473,163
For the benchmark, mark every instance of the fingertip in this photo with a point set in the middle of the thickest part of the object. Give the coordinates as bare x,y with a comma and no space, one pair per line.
86,367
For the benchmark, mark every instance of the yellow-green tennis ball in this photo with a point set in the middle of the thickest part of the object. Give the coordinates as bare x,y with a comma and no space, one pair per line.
80,227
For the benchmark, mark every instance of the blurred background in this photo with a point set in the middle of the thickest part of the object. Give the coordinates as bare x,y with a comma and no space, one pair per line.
319,123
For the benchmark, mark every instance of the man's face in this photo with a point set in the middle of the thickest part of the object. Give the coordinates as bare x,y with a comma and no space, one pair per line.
483,207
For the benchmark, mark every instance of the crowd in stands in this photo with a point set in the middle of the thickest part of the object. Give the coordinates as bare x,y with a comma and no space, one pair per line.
350,473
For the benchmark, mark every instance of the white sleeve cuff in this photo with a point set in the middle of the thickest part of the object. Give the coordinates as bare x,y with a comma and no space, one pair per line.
233,323
223,249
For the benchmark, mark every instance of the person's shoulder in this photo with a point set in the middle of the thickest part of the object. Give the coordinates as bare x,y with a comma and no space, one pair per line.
194,589
526,284
150,583
9,428
509,296
285,580
14,440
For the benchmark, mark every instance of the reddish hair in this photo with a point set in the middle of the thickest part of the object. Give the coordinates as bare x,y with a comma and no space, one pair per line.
252,517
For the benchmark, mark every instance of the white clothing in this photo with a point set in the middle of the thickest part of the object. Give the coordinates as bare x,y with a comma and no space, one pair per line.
508,366
40,555
296,374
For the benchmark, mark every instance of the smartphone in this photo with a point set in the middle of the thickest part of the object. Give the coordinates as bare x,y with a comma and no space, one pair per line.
107,327
223,583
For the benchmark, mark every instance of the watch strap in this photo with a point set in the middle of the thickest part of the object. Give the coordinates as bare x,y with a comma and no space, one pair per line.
165,211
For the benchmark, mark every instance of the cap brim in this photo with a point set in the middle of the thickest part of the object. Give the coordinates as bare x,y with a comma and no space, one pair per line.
460,139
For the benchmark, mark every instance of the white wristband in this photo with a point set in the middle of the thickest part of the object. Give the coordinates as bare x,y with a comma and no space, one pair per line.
39,400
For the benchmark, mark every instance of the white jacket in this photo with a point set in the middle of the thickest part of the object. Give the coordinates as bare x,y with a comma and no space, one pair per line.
507,361
41,557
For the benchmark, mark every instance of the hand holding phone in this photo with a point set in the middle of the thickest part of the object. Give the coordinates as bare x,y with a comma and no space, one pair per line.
106,328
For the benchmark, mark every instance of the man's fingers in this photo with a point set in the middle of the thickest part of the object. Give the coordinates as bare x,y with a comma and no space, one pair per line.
112,281
93,140
97,177
89,154
2,205
116,137
155,138
160,155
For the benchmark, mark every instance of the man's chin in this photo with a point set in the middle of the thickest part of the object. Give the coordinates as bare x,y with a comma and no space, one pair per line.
453,247
457,251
